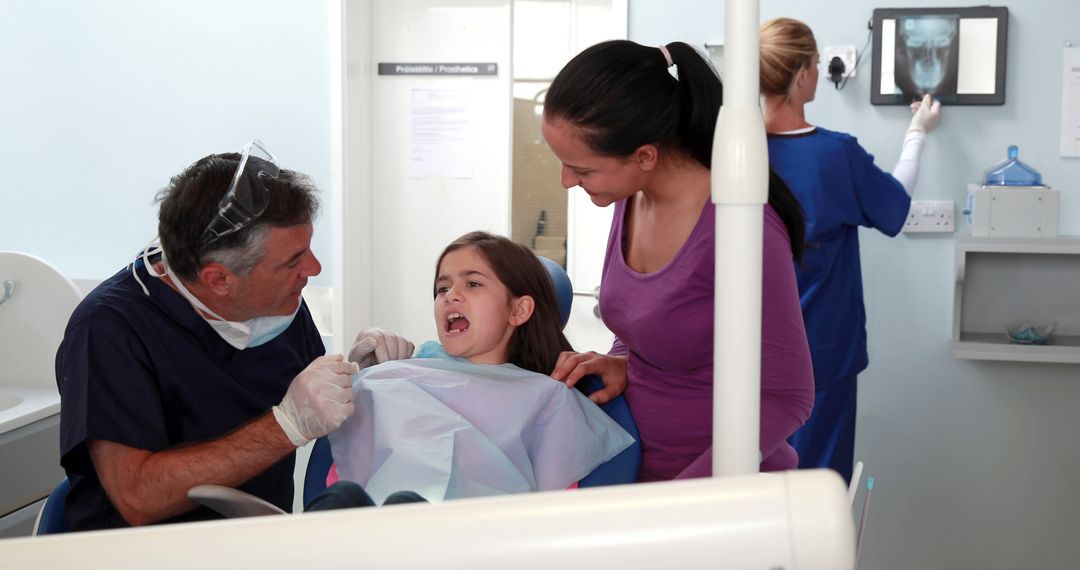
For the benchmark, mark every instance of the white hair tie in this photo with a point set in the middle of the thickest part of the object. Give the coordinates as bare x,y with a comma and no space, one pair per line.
667,56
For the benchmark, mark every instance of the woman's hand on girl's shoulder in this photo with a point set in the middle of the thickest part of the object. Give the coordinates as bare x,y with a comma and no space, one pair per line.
573,366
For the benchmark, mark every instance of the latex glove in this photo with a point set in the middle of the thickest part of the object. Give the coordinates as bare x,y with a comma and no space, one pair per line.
926,114
318,400
573,366
375,346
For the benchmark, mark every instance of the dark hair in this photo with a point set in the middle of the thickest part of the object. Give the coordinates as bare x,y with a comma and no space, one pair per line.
190,202
536,344
620,96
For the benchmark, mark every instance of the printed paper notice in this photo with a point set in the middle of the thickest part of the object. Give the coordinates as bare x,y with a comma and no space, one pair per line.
1070,103
441,134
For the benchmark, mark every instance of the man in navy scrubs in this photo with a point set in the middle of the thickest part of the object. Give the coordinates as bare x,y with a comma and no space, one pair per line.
200,363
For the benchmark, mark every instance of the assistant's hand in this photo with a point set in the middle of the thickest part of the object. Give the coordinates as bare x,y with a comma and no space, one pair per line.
375,346
573,366
318,401
926,114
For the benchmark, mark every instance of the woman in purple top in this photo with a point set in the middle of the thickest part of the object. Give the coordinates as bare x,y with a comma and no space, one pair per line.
631,133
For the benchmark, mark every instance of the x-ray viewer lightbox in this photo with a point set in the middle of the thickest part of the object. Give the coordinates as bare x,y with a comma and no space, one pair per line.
955,54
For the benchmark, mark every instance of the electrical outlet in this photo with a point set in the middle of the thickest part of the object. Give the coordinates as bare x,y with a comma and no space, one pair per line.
846,55
930,216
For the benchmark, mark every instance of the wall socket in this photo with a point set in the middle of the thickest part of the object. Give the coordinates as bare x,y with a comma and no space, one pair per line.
846,55
930,216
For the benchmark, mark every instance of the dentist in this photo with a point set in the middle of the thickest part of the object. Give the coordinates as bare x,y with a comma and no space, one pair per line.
200,364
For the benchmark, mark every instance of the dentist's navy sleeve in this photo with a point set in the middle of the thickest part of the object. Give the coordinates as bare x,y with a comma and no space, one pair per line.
146,371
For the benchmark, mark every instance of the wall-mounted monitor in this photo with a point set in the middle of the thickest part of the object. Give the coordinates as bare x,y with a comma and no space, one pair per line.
955,54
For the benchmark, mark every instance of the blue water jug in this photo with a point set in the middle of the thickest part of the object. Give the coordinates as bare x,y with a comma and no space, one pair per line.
1012,172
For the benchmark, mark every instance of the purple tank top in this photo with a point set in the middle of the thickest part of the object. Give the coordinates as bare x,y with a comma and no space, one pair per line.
663,323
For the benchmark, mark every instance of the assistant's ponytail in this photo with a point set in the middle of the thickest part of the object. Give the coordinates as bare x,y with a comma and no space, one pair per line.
620,95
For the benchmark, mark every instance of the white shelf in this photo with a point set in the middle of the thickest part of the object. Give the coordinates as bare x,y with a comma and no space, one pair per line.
1061,245
994,346
1002,281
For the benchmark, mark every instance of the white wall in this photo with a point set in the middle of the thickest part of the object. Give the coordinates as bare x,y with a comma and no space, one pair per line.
101,102
974,461
412,219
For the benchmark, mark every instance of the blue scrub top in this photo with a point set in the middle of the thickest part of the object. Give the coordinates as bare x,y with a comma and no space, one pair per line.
149,373
840,189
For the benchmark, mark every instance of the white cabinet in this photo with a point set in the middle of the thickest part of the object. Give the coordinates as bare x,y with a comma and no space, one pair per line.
1001,281
1013,211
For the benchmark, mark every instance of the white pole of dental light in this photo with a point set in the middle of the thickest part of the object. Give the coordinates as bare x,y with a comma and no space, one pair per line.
740,177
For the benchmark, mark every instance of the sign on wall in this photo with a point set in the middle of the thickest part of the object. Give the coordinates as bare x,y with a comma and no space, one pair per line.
438,68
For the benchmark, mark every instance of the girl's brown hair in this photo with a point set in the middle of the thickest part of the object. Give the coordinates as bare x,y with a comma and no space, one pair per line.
787,45
536,344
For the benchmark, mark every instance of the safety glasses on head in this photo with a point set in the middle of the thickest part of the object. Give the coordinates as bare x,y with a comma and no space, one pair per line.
247,196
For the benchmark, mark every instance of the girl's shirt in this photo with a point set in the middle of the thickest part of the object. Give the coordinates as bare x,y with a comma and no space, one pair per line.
663,323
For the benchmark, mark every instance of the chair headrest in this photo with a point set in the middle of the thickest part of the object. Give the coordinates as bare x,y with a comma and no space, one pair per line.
564,291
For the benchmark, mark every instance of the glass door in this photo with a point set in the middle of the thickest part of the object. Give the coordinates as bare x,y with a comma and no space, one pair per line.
557,223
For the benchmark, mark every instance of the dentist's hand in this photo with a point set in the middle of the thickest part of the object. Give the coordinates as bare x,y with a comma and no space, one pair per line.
573,366
318,401
926,114
375,346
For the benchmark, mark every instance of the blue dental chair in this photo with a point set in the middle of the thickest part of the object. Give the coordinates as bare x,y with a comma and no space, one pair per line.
52,519
619,470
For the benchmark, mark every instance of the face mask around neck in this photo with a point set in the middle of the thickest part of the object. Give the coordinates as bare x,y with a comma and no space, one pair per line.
239,334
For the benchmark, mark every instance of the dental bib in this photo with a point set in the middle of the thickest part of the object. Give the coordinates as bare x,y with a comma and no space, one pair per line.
448,429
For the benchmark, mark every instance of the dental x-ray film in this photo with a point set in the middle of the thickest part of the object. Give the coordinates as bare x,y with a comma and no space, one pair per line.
926,55
955,54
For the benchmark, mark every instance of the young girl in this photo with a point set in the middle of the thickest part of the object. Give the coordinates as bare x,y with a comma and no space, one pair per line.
508,294
477,415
